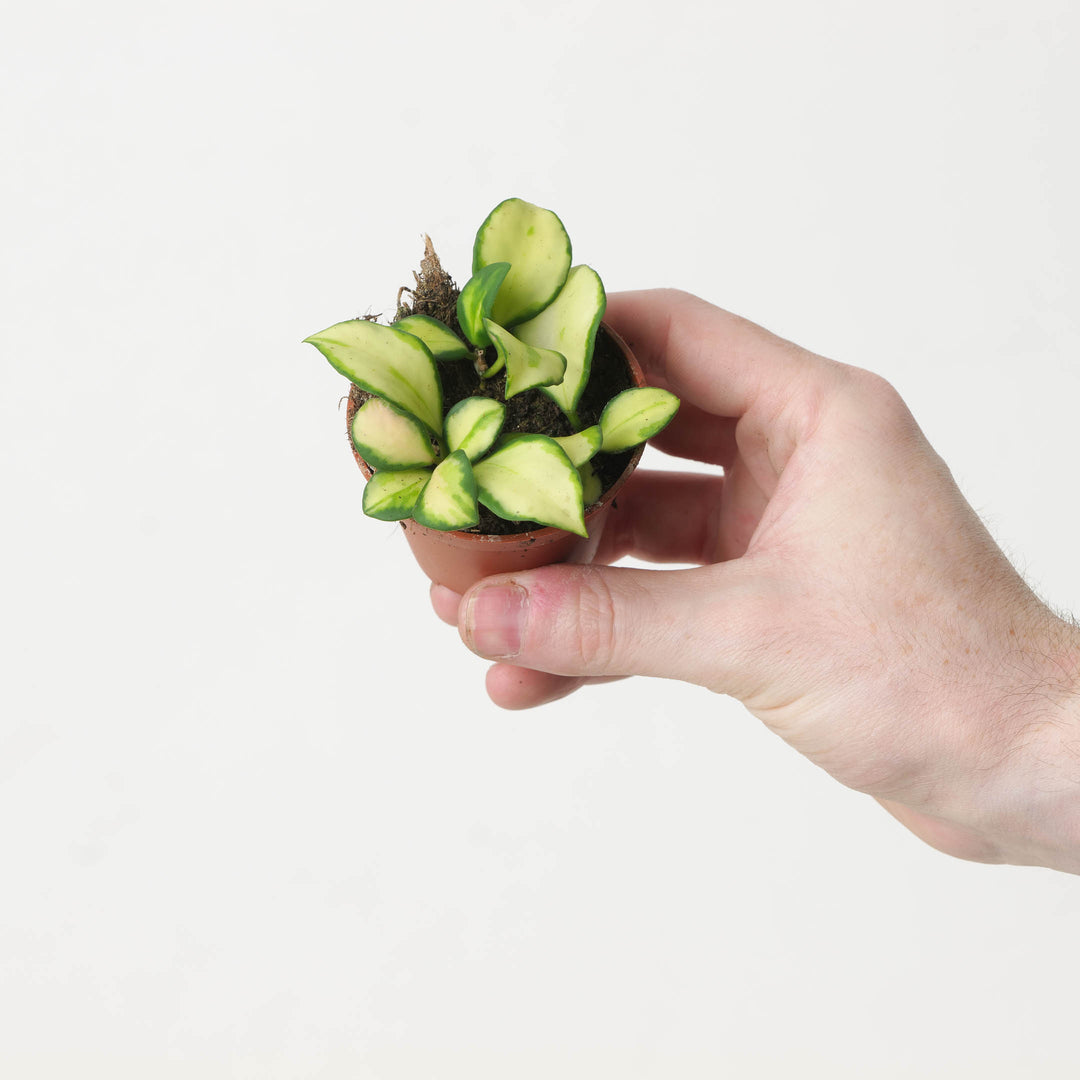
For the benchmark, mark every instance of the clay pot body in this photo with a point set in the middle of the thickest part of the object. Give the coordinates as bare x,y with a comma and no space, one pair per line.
460,559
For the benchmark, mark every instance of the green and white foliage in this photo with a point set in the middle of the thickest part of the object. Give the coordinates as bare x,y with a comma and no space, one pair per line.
449,499
568,325
477,299
388,438
635,415
436,465
530,478
387,362
581,447
391,496
533,241
441,341
526,367
473,425
591,489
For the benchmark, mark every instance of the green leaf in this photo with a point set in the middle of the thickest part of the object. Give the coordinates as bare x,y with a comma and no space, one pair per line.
391,496
491,372
568,325
580,447
388,438
591,488
531,479
526,367
441,341
635,415
475,301
387,362
473,425
533,241
449,500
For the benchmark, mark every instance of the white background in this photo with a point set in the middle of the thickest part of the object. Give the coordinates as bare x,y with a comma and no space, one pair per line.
257,817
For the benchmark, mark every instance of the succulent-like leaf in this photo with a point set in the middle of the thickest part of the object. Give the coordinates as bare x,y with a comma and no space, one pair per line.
388,438
391,495
441,341
388,362
533,241
580,447
473,425
449,500
476,299
635,415
526,366
531,479
568,325
591,488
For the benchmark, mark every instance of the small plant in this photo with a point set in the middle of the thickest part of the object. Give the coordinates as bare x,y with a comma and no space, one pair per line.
437,464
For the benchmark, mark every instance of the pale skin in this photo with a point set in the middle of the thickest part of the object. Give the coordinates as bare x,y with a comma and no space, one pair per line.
843,590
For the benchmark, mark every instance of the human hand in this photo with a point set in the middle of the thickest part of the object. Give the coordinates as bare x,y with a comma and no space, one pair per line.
846,593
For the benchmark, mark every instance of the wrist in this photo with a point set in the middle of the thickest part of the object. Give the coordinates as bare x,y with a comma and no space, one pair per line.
1035,794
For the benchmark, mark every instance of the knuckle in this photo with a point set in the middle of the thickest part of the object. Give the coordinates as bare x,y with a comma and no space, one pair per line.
874,391
874,398
595,621
678,296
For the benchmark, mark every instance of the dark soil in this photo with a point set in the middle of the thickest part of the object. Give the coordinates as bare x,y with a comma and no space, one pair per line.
435,294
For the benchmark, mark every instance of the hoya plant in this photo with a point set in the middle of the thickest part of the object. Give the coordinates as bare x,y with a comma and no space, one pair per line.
525,323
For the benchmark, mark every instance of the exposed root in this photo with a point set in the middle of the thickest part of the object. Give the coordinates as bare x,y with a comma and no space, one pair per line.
434,294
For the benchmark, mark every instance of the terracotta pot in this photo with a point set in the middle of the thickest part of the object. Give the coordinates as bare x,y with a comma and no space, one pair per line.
459,559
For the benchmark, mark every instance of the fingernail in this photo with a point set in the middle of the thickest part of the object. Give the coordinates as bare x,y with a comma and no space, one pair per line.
495,620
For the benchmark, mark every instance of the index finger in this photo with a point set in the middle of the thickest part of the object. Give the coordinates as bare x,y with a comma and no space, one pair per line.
717,360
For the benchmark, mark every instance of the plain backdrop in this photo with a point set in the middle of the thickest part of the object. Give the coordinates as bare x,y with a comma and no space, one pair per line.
257,816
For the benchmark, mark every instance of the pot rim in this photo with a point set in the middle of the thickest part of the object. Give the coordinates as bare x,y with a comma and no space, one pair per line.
465,538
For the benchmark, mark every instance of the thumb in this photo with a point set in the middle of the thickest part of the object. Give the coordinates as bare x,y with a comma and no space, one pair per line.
603,620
